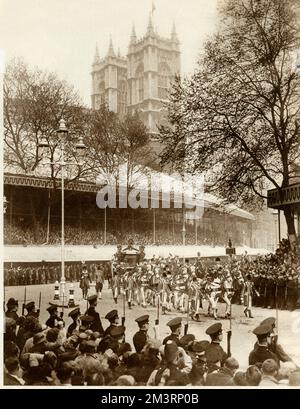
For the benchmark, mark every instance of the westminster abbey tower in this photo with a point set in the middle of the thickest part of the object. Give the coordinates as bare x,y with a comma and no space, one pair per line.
141,80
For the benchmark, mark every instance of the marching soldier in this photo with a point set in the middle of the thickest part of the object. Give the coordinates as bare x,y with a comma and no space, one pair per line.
74,314
85,281
214,353
140,337
115,286
99,279
96,325
175,327
248,294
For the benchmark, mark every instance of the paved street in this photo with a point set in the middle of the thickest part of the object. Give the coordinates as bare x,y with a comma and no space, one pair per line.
242,337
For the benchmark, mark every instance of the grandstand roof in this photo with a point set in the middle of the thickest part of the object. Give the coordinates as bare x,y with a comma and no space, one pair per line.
192,199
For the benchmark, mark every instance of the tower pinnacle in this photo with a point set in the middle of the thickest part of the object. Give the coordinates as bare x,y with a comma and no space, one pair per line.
174,33
111,52
150,28
97,57
133,35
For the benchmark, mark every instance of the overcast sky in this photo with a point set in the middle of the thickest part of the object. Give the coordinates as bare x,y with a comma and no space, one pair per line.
60,35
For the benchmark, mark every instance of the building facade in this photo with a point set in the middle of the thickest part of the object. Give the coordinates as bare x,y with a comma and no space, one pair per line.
141,80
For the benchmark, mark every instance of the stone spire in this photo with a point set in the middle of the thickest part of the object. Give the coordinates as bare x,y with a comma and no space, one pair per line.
133,35
174,33
111,52
150,28
97,57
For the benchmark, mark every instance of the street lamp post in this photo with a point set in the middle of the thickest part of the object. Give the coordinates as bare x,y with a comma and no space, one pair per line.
80,147
183,233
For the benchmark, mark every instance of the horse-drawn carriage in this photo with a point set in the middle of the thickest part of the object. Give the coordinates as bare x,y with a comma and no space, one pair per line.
127,258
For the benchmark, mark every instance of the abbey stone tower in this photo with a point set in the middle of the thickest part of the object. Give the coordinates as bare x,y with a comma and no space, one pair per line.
139,81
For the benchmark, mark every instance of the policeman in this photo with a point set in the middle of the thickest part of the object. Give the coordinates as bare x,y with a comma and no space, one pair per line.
12,308
53,320
140,337
117,338
74,314
113,318
261,350
214,353
86,322
96,325
273,341
175,327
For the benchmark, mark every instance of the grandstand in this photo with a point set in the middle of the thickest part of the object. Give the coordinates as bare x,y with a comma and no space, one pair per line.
33,219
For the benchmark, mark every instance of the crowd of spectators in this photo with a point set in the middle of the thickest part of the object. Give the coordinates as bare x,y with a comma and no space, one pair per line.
49,355
74,235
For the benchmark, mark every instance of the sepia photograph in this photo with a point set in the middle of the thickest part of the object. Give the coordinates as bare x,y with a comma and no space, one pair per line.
150,196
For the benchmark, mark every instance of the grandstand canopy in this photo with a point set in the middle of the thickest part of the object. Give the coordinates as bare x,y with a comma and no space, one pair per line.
149,183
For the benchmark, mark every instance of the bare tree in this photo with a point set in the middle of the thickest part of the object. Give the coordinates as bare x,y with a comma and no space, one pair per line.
34,103
237,118
114,142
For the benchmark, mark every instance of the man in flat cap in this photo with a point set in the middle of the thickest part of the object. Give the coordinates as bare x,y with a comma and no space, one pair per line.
214,353
96,325
175,327
140,337
53,320
113,318
261,350
12,308
74,314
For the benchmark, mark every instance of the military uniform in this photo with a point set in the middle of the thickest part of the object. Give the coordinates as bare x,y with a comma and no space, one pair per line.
74,314
96,325
111,316
261,351
140,338
174,324
214,353
54,318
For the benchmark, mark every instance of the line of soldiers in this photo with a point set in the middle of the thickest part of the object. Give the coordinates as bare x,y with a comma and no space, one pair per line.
30,275
266,282
176,360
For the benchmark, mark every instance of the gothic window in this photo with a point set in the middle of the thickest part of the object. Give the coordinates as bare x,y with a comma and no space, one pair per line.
139,74
102,92
164,76
121,97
